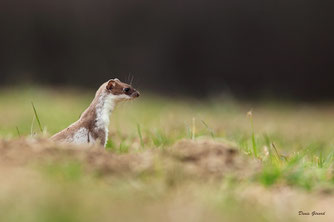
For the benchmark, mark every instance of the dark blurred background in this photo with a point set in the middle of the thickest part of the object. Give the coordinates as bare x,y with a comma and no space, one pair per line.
249,49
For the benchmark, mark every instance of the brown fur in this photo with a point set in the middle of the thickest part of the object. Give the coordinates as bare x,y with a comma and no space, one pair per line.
116,87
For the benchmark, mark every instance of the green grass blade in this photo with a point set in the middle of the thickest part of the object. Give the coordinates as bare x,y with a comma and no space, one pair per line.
209,129
321,160
140,136
37,118
193,131
276,151
254,144
250,115
18,132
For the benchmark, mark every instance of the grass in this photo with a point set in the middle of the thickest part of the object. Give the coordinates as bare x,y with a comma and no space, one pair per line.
250,115
291,145
140,136
18,131
37,117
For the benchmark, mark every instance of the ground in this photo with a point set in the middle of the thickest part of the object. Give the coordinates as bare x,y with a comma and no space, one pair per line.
167,160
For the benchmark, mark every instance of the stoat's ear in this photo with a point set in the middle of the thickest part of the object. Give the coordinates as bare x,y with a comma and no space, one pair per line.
111,84
116,79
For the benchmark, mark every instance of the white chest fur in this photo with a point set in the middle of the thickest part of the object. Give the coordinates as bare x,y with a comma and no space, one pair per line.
104,107
79,137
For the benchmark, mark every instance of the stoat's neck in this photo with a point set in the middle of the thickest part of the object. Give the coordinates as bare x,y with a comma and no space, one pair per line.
104,106
98,113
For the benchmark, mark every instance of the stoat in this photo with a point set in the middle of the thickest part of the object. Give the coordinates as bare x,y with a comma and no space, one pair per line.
92,126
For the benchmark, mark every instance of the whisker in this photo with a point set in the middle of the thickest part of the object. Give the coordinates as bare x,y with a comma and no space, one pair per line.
132,79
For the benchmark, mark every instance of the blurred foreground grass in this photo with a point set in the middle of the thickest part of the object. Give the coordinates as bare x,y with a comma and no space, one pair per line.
292,143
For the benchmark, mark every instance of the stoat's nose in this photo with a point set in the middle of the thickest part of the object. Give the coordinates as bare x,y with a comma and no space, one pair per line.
136,94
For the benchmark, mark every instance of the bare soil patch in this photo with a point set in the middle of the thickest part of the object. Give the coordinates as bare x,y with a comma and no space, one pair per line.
193,158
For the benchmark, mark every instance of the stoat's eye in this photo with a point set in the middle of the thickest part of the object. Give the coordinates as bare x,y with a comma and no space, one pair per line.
126,90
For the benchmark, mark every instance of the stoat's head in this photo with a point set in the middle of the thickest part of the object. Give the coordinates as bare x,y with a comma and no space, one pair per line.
120,90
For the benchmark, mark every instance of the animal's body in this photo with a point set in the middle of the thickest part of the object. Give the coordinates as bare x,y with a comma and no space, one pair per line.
92,126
